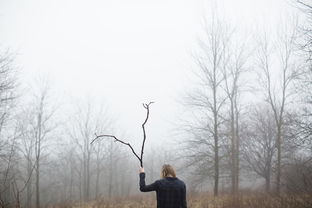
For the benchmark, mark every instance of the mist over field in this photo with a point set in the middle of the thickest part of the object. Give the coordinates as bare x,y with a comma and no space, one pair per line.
90,91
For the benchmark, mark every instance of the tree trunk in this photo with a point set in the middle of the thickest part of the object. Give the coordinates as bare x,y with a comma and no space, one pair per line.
38,155
233,152
215,134
71,183
216,159
85,177
37,186
28,188
88,177
97,179
237,151
278,175
110,172
237,165
268,182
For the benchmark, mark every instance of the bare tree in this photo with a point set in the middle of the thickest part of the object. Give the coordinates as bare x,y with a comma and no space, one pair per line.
304,122
233,68
81,134
220,66
209,97
306,29
8,171
101,154
26,149
259,141
39,128
105,159
88,119
19,189
278,95
8,87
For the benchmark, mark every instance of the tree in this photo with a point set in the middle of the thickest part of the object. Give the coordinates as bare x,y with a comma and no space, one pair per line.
259,142
305,81
278,95
208,98
87,119
41,128
306,29
8,85
233,68
81,134
8,171
37,129
101,154
26,149
8,95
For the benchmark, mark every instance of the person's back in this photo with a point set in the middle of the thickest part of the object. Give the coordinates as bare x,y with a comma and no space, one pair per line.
171,191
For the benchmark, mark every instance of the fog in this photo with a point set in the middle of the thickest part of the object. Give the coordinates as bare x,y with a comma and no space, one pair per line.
85,67
123,52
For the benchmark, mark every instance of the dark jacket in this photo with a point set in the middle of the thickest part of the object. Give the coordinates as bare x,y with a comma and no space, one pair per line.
171,192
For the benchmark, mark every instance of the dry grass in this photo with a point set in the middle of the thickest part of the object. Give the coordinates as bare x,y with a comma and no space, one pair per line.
206,200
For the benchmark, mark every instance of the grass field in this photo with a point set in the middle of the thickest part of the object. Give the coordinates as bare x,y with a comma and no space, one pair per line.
206,200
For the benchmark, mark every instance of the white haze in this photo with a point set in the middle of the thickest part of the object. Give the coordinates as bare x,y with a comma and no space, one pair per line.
121,51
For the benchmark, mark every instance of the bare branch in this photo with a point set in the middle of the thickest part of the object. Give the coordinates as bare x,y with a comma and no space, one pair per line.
117,140
140,158
146,106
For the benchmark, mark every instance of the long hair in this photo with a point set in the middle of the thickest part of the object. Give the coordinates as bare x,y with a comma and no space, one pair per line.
167,170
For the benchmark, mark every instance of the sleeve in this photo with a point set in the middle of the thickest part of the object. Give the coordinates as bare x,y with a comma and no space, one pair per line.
147,188
184,204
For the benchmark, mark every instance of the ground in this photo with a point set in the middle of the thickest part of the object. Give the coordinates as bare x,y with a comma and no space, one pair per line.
206,200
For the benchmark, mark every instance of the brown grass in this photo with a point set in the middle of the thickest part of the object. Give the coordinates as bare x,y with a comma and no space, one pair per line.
206,200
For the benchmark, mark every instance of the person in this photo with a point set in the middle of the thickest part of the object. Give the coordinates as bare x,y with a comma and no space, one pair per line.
170,191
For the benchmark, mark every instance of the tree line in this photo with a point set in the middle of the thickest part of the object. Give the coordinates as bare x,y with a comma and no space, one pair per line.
251,107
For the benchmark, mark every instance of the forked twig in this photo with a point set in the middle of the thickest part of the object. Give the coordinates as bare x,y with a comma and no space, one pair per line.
117,140
140,158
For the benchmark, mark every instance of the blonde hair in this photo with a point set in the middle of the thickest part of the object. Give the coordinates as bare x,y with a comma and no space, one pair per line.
167,170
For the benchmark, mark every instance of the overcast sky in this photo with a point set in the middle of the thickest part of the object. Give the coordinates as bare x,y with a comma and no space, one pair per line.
123,51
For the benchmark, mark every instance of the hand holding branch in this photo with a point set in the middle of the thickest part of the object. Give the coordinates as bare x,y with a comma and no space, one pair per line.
141,170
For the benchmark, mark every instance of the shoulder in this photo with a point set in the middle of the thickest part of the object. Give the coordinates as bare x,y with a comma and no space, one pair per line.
159,181
181,182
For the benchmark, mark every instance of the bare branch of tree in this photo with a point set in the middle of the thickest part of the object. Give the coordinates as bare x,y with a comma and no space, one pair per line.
140,158
146,106
117,140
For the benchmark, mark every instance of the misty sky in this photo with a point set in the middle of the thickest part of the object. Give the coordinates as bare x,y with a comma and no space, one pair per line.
124,52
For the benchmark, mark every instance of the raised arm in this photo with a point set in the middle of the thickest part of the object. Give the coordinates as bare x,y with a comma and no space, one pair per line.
143,186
